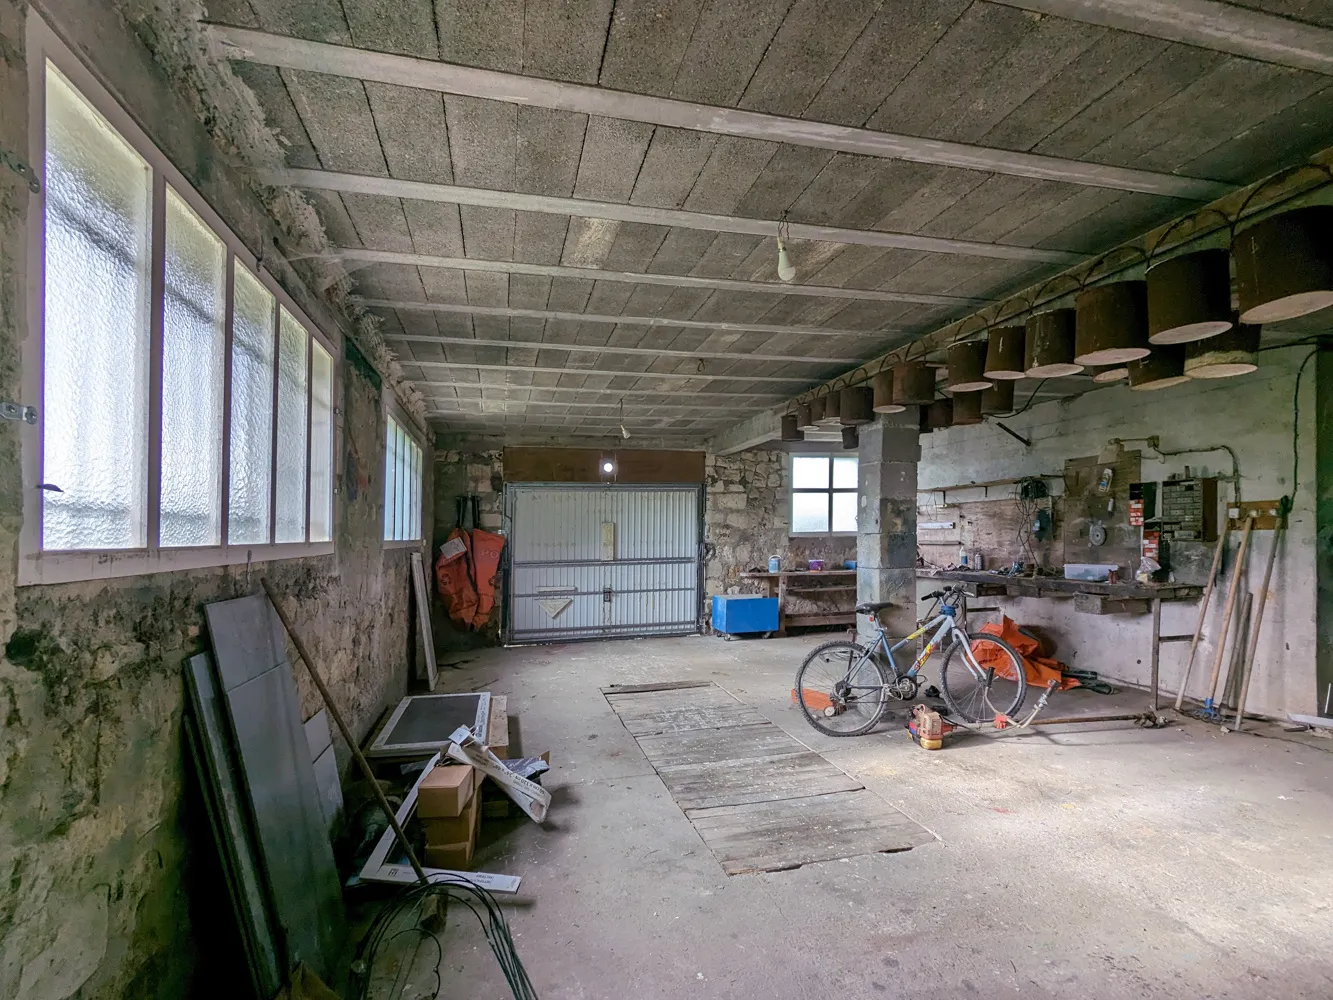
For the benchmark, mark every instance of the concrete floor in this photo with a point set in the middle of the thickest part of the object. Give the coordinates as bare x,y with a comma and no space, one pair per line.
1085,862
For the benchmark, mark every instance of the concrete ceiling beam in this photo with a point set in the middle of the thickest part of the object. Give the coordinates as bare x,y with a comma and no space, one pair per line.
652,321
654,352
775,397
618,373
631,408
759,429
1207,24
408,71
365,257
392,187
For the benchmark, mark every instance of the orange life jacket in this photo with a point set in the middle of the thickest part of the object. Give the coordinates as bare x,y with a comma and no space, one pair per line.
453,577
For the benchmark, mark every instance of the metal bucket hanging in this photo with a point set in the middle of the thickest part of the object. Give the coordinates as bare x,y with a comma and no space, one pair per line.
1048,350
1284,265
940,414
1161,369
913,384
966,408
883,390
817,412
832,410
999,398
1104,374
966,362
1004,353
1189,297
803,417
856,405
1235,352
1112,324
850,439
791,430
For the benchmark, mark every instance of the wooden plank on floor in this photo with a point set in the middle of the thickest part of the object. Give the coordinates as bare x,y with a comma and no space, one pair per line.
630,705
760,779
788,833
663,686
707,746
683,719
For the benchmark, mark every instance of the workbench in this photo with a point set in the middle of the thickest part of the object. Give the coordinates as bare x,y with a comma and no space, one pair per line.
807,583
1089,597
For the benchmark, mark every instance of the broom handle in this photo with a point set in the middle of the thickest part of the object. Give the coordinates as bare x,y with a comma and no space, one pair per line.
1247,665
1203,612
1231,607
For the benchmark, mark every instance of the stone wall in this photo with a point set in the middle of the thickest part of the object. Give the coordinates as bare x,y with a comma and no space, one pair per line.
110,879
747,516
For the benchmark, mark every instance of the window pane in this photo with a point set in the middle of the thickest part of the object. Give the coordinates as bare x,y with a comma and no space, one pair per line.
809,473
400,500
844,473
193,349
251,474
844,511
416,495
390,475
321,444
293,345
809,512
95,367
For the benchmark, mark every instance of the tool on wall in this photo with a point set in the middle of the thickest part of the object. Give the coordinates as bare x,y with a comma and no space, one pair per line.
1210,707
1247,665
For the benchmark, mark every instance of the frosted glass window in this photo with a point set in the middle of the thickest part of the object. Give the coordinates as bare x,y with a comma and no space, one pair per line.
250,478
844,474
824,494
293,355
809,512
809,473
194,314
400,501
321,443
390,477
96,336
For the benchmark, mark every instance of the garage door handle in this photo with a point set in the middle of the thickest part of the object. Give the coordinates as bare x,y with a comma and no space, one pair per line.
606,595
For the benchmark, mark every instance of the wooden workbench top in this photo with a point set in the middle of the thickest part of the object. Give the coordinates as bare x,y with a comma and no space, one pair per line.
1055,586
798,572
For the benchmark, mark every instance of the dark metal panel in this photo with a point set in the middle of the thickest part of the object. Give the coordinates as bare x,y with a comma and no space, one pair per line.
247,639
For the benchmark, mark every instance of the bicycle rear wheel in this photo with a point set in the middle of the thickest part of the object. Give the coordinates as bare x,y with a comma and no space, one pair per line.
982,678
841,689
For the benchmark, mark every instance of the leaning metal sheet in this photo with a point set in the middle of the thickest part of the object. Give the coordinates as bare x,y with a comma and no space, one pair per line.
423,723
280,779
223,795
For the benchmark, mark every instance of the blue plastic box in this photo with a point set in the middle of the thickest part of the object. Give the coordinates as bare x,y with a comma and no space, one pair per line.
734,614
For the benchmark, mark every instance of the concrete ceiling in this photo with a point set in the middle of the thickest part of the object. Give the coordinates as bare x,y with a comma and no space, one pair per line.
928,156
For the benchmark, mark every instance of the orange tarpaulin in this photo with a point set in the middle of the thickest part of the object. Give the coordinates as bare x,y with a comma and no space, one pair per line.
486,548
453,578
1040,670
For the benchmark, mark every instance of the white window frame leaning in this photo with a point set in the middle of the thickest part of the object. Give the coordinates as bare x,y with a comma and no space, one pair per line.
392,411
792,490
64,566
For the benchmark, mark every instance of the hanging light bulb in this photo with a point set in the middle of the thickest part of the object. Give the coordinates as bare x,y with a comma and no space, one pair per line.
786,270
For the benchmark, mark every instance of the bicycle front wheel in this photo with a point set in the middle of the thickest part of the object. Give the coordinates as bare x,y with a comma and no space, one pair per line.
982,678
840,689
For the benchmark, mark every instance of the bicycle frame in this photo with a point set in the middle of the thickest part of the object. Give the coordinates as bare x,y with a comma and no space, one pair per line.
947,626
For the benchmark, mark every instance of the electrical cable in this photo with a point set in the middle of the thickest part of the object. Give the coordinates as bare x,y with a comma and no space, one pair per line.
1296,426
478,901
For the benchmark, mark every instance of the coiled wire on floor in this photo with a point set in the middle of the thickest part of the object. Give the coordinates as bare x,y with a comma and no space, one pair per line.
482,906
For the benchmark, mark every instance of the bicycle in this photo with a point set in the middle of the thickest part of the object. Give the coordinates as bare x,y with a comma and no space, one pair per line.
843,689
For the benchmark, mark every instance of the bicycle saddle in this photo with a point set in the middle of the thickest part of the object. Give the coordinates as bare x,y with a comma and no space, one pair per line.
870,607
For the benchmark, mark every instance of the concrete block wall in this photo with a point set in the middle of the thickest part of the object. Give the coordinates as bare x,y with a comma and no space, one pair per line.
1254,415
111,886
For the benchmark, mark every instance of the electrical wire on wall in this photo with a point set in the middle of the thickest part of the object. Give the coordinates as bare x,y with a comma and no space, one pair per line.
1027,499
415,903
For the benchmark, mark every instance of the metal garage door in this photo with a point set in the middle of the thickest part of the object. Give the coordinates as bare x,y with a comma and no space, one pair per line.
591,561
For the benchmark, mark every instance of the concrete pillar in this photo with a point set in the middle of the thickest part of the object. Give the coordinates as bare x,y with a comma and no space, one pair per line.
886,519
1323,487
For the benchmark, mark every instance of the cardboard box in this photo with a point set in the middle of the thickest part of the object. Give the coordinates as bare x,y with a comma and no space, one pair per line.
446,791
451,856
447,830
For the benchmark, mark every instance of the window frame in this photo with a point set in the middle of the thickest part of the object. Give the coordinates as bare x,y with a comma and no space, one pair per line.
39,566
830,490
394,414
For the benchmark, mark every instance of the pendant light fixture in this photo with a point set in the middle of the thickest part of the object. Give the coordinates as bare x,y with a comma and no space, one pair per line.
966,363
1161,369
832,410
1004,353
913,384
1112,324
791,431
966,408
1048,350
1284,265
803,417
1189,297
786,270
883,390
999,398
1235,352
856,405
